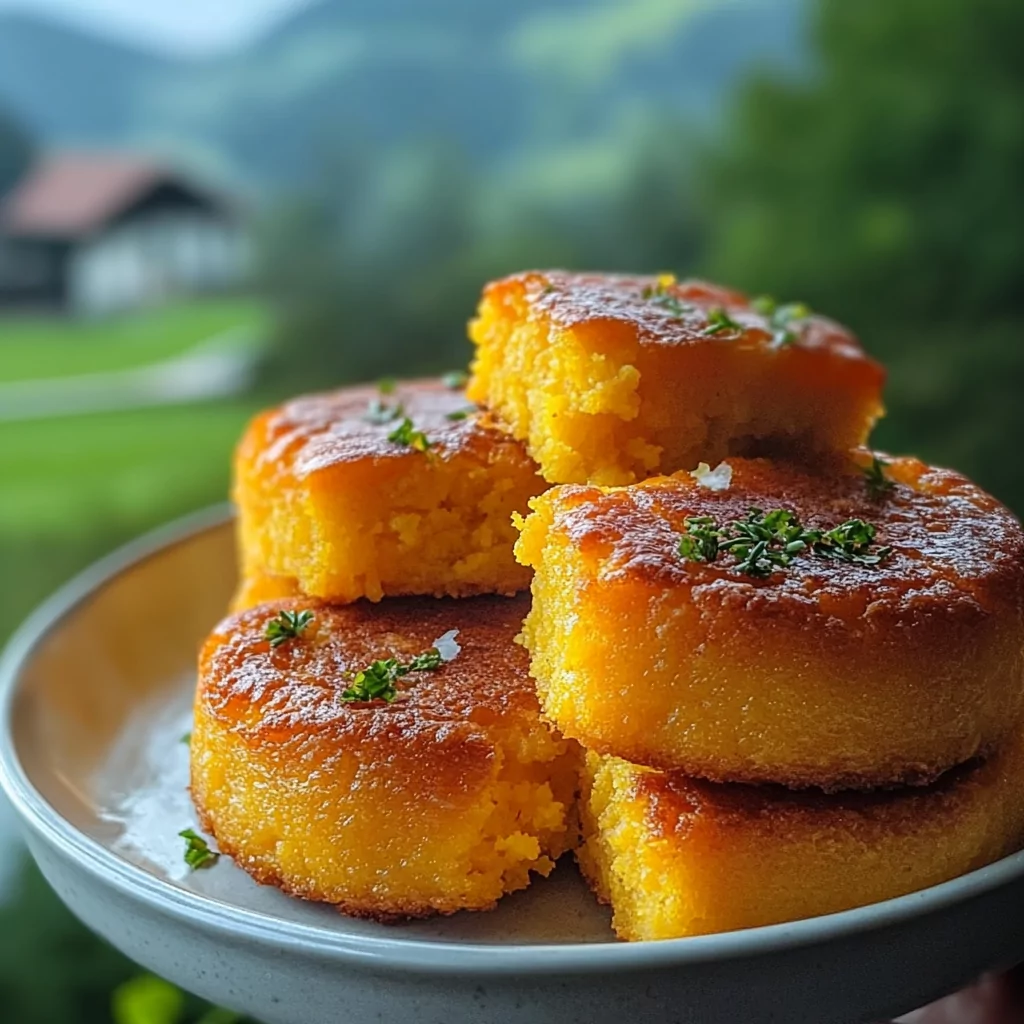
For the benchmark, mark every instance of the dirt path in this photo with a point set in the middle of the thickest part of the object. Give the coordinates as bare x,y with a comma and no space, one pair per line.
220,366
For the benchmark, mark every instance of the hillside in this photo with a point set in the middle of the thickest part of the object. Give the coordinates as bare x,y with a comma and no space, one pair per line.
71,86
497,79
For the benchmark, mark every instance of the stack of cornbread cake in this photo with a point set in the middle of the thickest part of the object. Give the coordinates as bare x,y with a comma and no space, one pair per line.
774,674
366,731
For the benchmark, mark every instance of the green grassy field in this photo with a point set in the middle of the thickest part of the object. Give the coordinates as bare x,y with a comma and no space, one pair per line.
73,487
69,477
32,347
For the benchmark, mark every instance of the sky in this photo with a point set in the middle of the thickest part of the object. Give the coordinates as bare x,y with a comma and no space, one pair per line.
182,26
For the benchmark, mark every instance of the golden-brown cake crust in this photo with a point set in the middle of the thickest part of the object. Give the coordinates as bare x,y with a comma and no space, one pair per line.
386,810
611,378
677,856
955,549
826,673
311,433
571,299
285,692
329,499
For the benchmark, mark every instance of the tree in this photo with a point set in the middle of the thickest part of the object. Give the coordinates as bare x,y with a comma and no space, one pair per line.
884,187
367,270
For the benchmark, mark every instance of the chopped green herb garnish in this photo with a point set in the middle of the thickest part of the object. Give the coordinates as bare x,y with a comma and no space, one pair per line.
719,322
406,434
387,385
661,296
879,485
375,682
456,380
197,851
287,626
700,542
460,414
851,542
186,738
383,412
766,541
784,320
378,680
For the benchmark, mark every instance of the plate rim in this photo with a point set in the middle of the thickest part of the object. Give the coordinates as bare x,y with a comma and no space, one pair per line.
396,953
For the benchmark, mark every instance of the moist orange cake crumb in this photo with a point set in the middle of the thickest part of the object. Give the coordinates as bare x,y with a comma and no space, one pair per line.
355,493
611,378
442,800
829,671
676,857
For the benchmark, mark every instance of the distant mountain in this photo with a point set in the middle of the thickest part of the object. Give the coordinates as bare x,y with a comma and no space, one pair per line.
71,86
497,79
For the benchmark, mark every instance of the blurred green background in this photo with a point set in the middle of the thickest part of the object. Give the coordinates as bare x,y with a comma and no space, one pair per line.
865,157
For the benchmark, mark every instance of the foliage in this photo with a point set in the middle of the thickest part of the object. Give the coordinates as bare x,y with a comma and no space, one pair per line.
37,933
147,1000
362,266
886,190
376,268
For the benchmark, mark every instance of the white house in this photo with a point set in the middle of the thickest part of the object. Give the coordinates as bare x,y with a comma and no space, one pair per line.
97,233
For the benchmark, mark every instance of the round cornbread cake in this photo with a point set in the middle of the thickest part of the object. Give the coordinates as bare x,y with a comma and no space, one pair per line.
365,493
611,378
442,794
675,856
875,638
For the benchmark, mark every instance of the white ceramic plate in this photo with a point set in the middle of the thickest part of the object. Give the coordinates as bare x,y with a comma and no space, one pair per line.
95,697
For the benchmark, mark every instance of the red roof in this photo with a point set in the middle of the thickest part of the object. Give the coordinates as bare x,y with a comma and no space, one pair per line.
72,194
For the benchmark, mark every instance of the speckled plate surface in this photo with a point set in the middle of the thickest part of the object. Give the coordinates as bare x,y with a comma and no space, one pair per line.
95,699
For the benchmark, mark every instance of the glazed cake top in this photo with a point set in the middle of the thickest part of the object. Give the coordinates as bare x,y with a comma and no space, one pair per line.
314,432
676,805
664,311
288,700
952,547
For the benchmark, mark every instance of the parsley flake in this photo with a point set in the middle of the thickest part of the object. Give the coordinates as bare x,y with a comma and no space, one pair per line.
287,626
379,411
765,305
408,436
387,385
850,542
784,321
197,851
700,541
460,414
879,485
661,295
766,541
378,680
719,322
456,380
